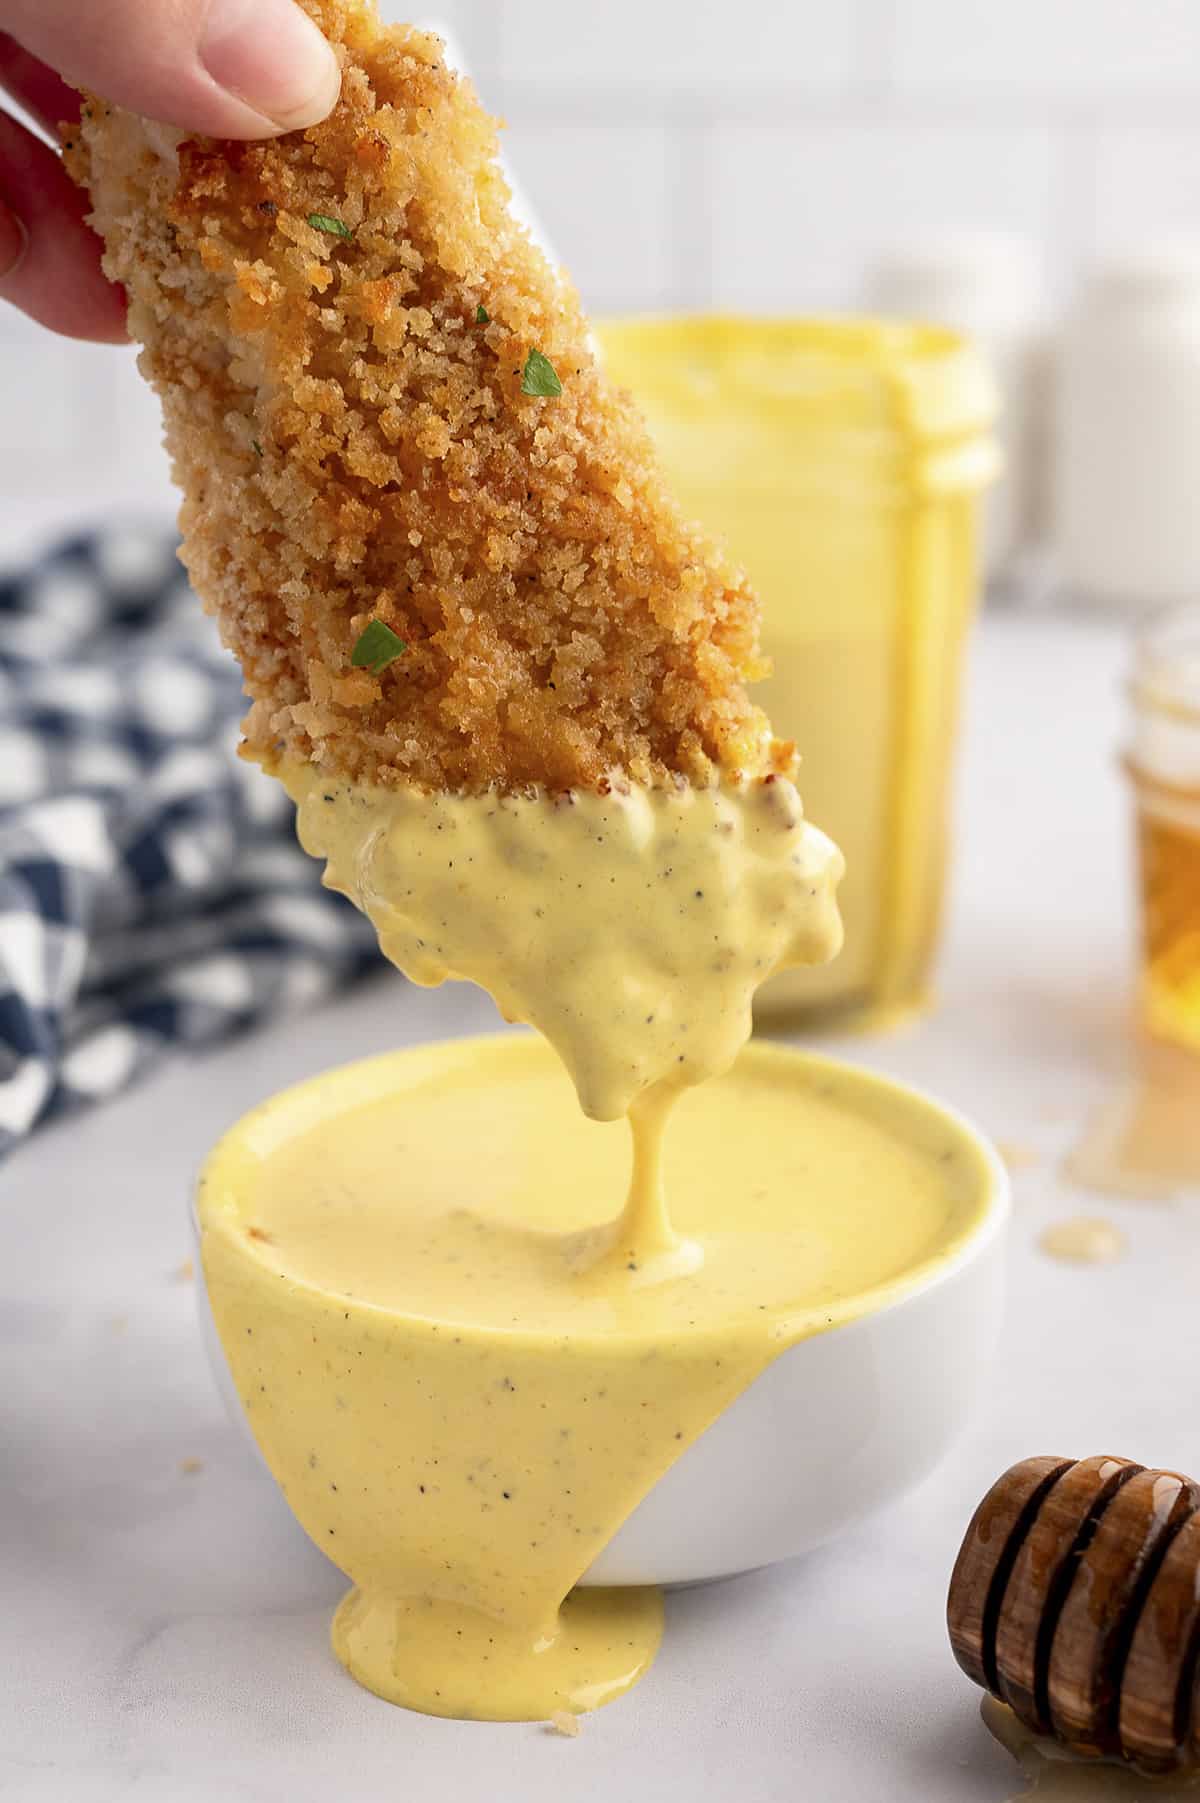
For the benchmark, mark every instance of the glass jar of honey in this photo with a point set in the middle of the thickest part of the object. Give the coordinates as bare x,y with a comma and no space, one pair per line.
1164,763
844,461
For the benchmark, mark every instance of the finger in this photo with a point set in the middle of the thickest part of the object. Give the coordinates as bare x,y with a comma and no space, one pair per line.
14,242
49,257
43,94
227,68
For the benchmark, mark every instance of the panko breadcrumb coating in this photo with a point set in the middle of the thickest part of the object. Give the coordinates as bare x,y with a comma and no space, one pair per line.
338,322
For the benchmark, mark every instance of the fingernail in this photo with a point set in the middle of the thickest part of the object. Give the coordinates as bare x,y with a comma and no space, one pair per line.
14,242
272,57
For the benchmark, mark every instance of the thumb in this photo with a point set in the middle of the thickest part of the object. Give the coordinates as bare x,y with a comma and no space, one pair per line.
225,68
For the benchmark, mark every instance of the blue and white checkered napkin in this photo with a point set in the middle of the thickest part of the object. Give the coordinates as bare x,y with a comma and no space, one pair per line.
151,890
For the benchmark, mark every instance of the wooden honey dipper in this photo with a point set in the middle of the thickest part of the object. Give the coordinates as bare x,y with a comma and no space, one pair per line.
1075,1599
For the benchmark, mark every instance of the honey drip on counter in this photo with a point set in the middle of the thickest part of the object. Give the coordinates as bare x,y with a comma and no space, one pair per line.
1057,1776
1145,1140
1085,1240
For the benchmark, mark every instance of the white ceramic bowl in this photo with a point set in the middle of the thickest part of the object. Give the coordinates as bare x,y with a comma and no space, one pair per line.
840,1425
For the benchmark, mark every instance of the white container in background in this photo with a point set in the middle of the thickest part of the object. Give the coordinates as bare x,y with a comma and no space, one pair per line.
1127,436
987,286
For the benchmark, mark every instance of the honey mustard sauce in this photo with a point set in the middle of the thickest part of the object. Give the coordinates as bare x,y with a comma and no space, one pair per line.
630,928
463,1361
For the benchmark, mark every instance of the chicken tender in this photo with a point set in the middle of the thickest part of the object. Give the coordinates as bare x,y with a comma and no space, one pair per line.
381,407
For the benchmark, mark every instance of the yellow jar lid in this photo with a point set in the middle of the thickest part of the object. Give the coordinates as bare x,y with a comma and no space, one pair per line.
878,386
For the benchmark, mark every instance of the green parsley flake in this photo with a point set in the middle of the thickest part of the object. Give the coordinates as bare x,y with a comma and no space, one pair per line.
482,316
256,447
539,378
377,647
321,222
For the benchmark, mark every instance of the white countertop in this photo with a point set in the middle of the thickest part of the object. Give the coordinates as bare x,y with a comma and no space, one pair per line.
163,1632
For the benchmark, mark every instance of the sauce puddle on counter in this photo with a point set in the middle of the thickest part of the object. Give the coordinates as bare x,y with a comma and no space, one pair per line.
465,1381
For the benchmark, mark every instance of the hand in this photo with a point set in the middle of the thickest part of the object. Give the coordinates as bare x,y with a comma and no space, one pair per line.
223,68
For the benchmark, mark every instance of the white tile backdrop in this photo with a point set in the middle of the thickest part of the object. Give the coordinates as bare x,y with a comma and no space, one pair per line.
740,152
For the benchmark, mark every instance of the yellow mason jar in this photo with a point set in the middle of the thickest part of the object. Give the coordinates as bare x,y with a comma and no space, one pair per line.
844,461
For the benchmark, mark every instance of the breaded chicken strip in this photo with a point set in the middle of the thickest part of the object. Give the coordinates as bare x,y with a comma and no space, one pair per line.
344,326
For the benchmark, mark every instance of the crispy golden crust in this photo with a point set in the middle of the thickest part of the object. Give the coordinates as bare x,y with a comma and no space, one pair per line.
352,443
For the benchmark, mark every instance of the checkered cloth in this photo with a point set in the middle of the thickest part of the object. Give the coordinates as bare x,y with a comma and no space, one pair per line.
152,894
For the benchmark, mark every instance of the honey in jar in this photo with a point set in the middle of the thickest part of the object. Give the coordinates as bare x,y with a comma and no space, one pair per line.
1164,762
